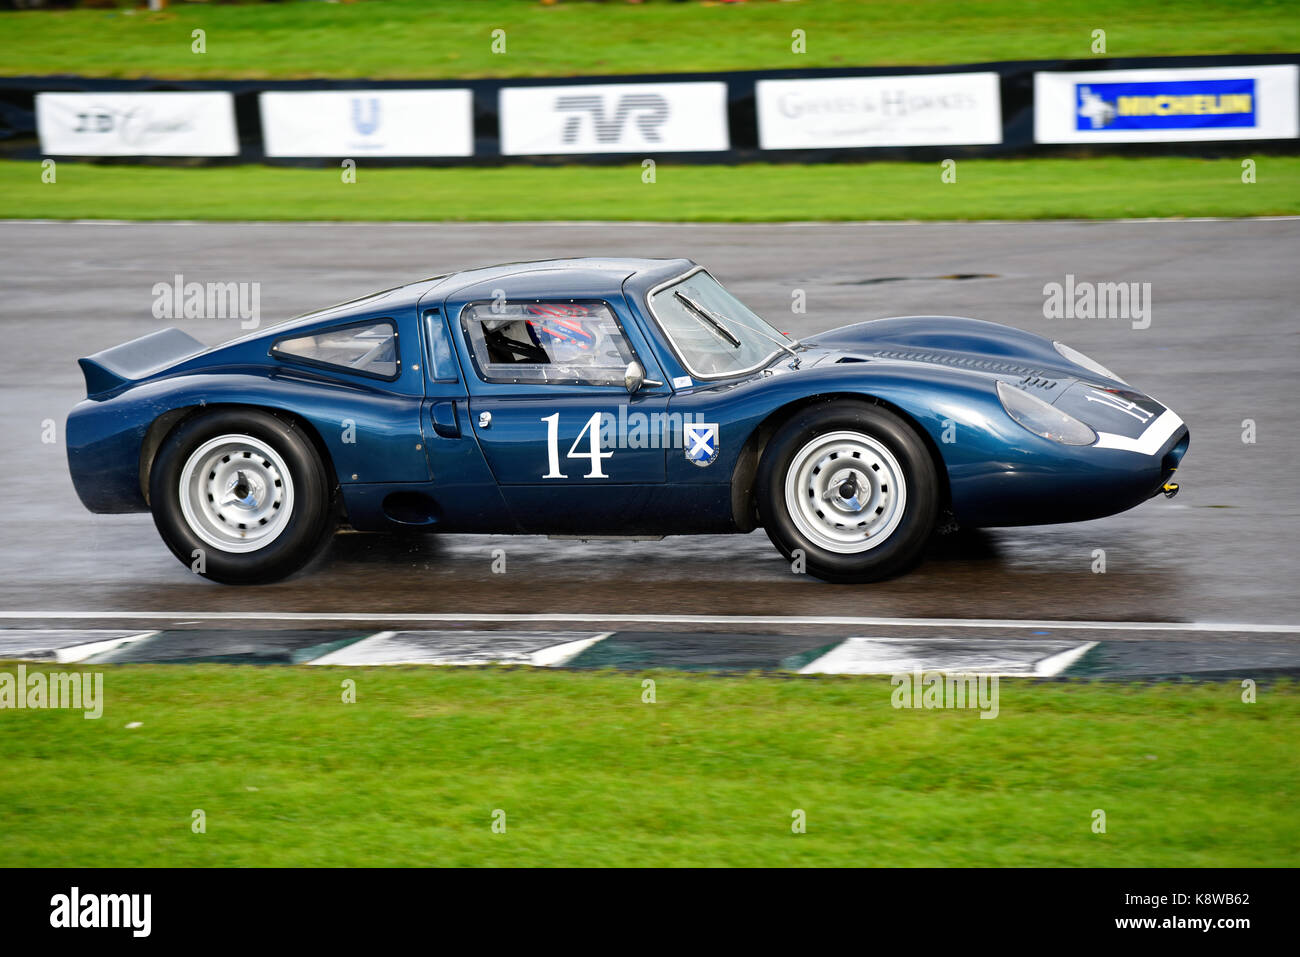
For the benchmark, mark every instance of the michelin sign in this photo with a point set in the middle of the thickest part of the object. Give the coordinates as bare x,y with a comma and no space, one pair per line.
1152,106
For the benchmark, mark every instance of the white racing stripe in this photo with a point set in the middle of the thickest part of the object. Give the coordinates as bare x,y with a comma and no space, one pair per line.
847,621
1149,442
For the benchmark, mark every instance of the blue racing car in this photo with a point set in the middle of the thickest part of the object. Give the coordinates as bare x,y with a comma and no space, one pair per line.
605,397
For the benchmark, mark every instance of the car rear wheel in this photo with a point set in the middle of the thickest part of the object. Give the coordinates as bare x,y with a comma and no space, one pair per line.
241,497
848,490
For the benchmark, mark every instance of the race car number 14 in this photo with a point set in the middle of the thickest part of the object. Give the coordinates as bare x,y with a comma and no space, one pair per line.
591,430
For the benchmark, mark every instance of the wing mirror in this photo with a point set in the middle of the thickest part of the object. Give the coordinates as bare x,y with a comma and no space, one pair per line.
634,378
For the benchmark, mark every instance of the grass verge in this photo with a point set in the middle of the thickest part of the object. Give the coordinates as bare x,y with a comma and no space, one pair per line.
1101,188
452,38
587,774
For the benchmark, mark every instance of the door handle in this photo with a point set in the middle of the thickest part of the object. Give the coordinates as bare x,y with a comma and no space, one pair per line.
445,421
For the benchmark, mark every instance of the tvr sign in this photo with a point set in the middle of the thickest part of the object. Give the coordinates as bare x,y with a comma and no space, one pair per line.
649,112
614,118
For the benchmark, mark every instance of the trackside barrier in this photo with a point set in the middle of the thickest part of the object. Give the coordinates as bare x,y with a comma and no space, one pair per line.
1202,106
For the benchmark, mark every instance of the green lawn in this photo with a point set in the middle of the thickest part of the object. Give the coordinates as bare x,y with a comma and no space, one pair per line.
985,189
452,38
587,774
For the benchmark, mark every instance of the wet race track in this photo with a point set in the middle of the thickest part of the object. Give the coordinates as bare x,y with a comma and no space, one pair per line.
1221,348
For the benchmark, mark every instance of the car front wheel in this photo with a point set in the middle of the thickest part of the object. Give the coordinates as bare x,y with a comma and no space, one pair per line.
241,497
849,490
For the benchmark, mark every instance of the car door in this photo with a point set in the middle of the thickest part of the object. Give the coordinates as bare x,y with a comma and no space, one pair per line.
570,449
462,485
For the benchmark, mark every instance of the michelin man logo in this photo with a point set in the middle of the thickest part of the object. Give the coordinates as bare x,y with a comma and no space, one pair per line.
1094,108
701,443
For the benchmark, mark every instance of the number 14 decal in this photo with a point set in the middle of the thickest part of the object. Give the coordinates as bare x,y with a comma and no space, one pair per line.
591,429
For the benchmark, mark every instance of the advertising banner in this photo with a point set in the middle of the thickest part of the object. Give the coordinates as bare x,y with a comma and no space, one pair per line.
614,118
353,123
947,109
137,124
1155,106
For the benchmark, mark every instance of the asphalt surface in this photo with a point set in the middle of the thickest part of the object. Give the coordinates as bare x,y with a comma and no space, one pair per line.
1221,348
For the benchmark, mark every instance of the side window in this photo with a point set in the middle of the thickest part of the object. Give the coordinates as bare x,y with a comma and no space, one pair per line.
557,342
442,362
369,348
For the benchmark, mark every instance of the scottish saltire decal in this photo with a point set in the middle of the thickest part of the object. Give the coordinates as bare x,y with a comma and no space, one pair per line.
1165,105
701,442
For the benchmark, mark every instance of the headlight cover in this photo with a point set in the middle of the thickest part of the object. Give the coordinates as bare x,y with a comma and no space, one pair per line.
1043,419
1079,359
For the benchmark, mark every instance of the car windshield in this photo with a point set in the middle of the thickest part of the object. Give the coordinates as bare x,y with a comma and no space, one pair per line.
714,332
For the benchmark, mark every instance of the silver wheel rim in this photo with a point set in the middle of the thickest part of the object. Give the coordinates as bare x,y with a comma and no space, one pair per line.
236,493
845,492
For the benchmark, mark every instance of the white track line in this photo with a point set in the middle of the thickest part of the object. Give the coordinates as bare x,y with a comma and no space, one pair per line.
92,648
378,649
834,620
339,653
1011,658
1055,664
557,655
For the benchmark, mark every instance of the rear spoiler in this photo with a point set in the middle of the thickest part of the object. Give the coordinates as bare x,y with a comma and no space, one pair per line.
136,360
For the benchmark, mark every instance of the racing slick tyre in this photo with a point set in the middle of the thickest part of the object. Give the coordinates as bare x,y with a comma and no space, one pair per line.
241,496
850,486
